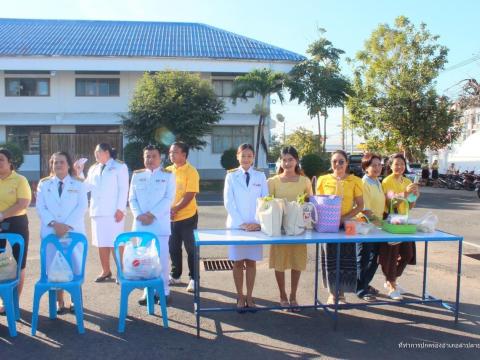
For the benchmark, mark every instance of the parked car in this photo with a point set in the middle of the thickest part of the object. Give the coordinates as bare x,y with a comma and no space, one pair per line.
272,168
414,170
355,164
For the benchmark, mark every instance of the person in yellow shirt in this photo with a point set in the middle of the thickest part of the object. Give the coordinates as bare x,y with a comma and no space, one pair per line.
374,205
350,188
183,214
395,258
15,196
288,184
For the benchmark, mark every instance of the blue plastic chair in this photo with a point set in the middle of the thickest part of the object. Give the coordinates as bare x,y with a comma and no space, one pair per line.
126,285
9,288
74,287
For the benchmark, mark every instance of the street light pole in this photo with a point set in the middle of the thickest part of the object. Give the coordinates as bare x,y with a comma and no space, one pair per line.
281,118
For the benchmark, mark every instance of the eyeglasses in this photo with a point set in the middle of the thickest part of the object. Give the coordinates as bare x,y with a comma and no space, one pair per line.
338,162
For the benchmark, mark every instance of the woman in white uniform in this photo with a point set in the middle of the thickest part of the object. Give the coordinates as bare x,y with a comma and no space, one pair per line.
243,186
61,205
107,181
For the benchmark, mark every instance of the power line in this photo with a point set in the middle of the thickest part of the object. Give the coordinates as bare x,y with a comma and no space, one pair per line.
463,63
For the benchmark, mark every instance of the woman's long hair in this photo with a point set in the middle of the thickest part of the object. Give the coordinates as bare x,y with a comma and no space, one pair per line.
290,150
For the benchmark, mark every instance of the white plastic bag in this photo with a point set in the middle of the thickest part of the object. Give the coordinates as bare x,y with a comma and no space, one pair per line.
270,214
8,264
293,222
59,269
427,223
140,262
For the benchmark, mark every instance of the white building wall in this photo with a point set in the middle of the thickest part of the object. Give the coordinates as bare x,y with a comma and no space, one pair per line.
62,110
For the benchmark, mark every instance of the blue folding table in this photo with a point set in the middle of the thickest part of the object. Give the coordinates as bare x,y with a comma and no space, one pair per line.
240,237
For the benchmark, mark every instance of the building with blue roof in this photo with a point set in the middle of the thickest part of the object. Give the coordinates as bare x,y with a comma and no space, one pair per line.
71,76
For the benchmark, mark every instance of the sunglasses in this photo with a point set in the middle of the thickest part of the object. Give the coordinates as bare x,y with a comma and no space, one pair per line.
339,162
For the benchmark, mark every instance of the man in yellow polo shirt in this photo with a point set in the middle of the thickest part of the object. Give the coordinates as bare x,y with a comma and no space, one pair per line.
183,214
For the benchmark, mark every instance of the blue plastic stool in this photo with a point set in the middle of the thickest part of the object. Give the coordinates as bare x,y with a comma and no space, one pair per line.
126,286
74,287
9,288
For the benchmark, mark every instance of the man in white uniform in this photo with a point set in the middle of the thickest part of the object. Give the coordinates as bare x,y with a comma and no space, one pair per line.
152,191
61,205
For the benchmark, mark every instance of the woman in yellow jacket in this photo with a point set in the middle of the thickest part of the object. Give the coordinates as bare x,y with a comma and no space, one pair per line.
351,189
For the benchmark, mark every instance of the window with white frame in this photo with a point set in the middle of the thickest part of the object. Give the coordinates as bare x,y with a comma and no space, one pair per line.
230,137
27,137
224,88
97,87
27,86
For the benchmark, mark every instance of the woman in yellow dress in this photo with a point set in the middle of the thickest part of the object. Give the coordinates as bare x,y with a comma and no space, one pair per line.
288,184
394,258
350,188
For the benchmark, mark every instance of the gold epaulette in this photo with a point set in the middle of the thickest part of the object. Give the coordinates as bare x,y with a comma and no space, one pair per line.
46,178
166,170
139,171
232,170
78,178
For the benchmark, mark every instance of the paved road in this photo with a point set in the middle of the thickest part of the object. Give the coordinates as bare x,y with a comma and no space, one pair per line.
376,332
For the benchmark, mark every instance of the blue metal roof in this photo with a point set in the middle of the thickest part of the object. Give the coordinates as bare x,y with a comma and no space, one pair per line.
26,37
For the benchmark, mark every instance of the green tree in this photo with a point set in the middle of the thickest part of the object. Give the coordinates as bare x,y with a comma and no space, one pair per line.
263,82
133,155
314,165
172,106
394,100
229,159
274,148
304,140
318,83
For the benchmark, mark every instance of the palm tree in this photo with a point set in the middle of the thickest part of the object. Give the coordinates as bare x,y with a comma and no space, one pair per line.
263,82
318,82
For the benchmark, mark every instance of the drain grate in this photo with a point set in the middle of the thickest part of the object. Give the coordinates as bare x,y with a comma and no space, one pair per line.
218,265
473,256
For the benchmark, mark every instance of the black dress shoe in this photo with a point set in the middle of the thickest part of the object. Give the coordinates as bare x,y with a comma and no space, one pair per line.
102,278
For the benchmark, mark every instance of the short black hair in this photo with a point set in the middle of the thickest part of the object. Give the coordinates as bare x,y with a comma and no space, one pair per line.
8,154
107,147
69,161
392,159
184,147
151,147
245,146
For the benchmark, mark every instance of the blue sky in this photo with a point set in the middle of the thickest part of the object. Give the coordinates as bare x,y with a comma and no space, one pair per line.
292,25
